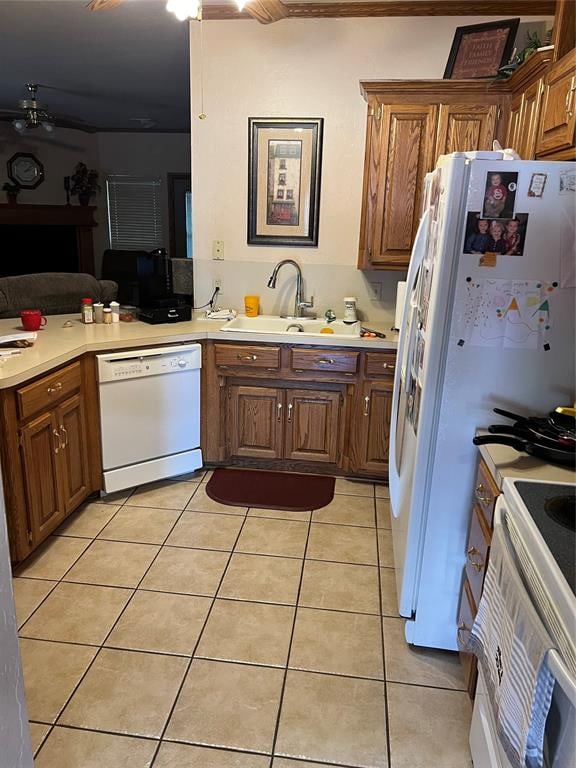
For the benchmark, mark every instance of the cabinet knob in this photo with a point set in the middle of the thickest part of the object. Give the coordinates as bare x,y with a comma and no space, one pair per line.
367,405
290,406
477,564
326,361
480,495
56,388
57,441
388,366
279,411
64,433
251,358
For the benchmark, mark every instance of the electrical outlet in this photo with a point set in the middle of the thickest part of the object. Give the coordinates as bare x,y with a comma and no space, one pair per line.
217,283
374,291
218,250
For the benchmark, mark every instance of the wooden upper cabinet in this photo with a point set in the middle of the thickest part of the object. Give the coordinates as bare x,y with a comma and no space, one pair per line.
529,121
465,127
558,120
513,130
406,155
312,425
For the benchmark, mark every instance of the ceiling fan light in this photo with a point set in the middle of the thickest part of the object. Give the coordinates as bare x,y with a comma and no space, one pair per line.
184,9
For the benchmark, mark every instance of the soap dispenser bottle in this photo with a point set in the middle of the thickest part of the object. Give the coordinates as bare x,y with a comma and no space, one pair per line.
350,314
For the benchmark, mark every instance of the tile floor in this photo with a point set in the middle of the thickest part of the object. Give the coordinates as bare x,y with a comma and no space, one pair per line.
159,628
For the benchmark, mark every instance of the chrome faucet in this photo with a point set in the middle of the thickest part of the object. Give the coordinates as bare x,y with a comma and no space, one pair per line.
299,303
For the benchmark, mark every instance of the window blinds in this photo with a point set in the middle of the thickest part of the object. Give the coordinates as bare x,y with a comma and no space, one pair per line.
134,213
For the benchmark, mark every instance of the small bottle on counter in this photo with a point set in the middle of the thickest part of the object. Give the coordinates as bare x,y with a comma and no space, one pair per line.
107,315
87,311
115,307
98,312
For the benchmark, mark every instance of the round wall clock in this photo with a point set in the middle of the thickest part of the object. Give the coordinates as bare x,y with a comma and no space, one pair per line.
25,170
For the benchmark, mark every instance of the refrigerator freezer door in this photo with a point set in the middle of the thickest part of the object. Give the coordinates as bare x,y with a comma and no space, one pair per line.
402,434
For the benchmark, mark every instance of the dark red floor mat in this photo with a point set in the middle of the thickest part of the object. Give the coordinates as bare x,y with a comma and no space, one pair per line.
270,490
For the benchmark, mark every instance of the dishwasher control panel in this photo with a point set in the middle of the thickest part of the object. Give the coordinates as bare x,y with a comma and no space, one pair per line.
138,363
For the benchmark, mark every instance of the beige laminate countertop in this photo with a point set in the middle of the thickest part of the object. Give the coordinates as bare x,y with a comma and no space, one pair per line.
57,344
503,461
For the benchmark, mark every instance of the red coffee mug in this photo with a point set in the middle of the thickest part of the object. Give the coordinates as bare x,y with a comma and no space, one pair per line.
32,319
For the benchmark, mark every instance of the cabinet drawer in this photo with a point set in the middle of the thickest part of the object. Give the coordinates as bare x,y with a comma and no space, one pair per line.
323,360
44,393
477,553
247,356
466,615
485,493
380,364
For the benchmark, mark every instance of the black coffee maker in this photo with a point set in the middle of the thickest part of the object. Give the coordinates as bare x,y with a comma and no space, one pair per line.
145,280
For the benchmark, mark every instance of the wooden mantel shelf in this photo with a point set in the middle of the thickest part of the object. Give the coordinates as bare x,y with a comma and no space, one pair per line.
46,215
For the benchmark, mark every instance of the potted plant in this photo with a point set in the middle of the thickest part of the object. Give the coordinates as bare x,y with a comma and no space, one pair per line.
84,183
12,191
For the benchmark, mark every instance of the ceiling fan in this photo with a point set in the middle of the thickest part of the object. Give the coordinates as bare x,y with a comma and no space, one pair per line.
265,11
31,114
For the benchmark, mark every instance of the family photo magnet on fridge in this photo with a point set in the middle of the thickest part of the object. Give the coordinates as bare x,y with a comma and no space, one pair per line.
567,182
499,195
500,236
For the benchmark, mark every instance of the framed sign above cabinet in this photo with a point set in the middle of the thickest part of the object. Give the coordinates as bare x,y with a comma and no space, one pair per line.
25,170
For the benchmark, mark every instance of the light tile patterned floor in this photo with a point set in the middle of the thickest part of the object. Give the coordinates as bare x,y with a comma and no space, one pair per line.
162,629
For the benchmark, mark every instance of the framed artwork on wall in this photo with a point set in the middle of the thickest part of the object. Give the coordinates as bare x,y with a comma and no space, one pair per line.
284,168
480,50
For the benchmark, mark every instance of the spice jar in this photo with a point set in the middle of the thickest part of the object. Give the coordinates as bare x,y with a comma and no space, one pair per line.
107,315
115,307
98,312
87,311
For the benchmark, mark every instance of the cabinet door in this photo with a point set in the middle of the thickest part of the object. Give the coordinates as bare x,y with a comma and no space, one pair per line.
406,155
513,137
255,421
73,452
40,457
558,119
529,121
465,127
371,180
374,428
312,425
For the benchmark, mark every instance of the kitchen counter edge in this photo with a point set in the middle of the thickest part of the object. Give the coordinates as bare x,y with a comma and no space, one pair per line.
57,344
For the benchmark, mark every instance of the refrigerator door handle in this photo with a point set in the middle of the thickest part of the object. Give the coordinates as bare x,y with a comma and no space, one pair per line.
419,251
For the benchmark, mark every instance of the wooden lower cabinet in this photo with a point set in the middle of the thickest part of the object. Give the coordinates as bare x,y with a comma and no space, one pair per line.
477,553
40,443
372,428
50,452
294,424
255,422
312,425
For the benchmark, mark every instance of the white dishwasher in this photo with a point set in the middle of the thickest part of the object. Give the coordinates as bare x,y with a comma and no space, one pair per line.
149,414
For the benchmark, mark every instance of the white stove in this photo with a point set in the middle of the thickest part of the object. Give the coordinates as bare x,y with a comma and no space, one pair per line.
538,520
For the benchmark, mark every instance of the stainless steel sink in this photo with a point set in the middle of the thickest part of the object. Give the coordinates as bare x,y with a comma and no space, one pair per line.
292,326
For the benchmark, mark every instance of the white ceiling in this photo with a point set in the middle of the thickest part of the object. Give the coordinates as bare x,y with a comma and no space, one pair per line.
102,68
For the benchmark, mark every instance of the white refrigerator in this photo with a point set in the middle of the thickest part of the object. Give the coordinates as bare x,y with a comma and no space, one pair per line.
488,320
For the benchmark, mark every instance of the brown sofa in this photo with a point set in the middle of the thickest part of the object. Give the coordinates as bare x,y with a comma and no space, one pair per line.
55,293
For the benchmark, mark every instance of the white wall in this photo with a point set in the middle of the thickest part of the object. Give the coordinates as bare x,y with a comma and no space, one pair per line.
304,68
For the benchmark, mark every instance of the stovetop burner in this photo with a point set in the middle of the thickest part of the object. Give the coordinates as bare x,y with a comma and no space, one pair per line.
552,508
562,510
